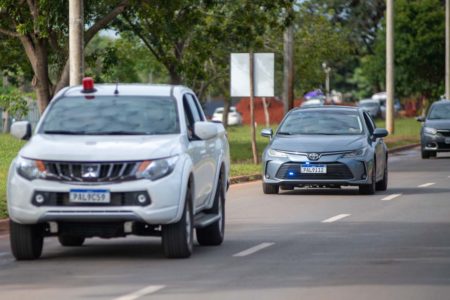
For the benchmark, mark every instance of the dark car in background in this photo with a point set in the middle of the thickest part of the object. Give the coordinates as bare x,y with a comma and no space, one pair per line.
328,146
435,132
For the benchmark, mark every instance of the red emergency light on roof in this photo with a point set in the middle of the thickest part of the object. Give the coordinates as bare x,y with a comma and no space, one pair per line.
88,85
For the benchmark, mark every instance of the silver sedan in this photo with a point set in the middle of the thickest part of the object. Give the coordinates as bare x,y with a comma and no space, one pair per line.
330,146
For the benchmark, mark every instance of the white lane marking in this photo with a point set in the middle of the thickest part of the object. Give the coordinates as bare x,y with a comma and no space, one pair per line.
335,218
253,249
3,254
390,197
426,184
142,292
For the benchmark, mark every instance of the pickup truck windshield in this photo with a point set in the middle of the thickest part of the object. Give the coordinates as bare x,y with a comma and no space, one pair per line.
112,115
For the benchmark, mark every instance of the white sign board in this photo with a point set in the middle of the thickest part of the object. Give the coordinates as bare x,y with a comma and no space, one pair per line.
264,69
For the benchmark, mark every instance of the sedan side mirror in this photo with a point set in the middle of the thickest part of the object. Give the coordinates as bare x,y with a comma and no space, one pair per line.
380,133
420,119
21,130
267,132
205,130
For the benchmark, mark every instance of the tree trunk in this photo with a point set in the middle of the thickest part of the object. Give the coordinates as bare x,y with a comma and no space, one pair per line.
43,85
266,112
175,77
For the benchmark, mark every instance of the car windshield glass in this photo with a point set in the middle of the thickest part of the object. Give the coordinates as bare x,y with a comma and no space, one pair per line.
440,112
322,122
103,115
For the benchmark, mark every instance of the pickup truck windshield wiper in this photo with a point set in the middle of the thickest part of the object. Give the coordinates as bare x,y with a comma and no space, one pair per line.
64,132
118,132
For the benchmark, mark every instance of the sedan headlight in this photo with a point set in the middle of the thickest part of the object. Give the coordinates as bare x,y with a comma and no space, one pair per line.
276,153
430,130
156,169
30,169
356,153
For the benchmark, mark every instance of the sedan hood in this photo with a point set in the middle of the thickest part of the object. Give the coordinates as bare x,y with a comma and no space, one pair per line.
101,148
438,124
319,143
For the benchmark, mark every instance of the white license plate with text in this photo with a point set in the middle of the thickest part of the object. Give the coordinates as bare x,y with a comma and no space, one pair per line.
313,169
89,196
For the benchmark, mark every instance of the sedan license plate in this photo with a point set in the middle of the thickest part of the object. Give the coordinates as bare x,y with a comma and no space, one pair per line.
89,196
447,140
313,169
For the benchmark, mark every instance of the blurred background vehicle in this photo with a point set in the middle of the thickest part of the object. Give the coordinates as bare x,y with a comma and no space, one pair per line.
381,97
371,106
313,102
234,117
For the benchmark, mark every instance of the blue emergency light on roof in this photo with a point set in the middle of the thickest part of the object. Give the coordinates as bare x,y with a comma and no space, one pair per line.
88,85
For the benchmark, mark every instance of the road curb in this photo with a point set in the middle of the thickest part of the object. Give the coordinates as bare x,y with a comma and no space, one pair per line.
401,148
4,226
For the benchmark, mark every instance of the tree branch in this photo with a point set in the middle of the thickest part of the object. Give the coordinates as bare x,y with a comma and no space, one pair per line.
91,32
9,33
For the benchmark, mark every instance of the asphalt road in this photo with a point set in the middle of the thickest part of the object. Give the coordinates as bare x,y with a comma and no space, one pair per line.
302,244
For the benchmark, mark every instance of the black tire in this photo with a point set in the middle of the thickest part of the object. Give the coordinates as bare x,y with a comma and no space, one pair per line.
369,189
71,241
425,154
383,184
270,188
213,234
177,238
286,187
26,240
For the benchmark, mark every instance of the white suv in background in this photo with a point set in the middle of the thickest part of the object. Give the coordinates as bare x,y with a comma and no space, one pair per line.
234,117
113,160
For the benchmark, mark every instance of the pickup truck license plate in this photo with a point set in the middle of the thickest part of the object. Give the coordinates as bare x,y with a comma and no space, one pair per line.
89,196
313,169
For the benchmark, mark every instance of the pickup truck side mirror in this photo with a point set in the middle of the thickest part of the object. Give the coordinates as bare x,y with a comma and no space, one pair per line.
205,130
21,130
267,132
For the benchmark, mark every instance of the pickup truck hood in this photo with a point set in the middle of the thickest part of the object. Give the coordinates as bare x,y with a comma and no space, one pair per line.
319,143
101,148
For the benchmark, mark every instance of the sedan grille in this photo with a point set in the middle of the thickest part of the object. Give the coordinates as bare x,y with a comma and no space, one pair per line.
445,133
334,171
91,172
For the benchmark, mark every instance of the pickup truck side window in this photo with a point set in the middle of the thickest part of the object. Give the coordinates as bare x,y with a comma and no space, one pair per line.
191,115
198,107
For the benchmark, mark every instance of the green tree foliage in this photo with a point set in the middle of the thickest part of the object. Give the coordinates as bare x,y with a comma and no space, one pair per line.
13,102
41,26
123,59
317,40
419,51
194,38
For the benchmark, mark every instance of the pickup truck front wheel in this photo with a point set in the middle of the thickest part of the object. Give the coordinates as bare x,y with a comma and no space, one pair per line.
177,238
26,240
214,233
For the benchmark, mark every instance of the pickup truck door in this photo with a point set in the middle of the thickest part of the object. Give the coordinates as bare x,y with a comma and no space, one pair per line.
202,153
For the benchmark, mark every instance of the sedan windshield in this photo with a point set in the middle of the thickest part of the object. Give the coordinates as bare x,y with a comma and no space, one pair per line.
439,112
322,122
106,115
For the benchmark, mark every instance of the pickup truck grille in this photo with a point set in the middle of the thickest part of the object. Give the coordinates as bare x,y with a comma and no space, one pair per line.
91,172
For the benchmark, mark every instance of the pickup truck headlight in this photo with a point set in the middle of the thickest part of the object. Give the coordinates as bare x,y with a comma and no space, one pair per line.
356,153
156,169
276,153
430,130
30,169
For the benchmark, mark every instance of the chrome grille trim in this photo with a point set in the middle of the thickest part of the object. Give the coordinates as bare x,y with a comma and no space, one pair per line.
107,171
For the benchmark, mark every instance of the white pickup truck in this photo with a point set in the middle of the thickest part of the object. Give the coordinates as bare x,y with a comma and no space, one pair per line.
113,160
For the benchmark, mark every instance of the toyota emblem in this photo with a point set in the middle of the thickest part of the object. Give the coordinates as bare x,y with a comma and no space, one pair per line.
313,156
